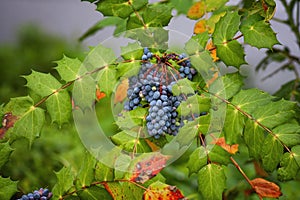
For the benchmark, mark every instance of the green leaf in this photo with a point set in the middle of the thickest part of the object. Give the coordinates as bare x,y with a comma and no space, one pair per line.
287,91
212,5
154,15
272,150
120,191
133,51
258,33
30,119
128,69
275,113
226,28
197,160
7,188
231,53
288,167
107,21
107,80
288,133
58,104
218,155
131,119
182,6
64,182
68,68
127,140
249,100
85,175
211,181
5,151
94,193
254,138
120,8
201,38
296,154
183,86
234,125
194,104
103,172
232,84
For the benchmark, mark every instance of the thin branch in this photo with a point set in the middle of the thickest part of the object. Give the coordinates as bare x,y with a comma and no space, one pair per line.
235,38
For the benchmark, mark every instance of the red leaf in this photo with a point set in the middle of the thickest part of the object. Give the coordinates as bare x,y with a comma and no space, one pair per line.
148,167
99,95
232,149
265,188
161,191
8,121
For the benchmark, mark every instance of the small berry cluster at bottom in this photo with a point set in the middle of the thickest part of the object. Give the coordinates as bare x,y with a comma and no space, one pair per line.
41,194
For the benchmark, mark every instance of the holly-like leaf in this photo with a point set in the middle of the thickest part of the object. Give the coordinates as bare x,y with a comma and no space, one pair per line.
265,188
68,68
5,151
147,166
120,24
272,150
231,53
159,190
94,193
226,28
125,190
197,10
254,138
85,175
120,8
258,33
211,182
30,119
7,188
59,104
232,149
64,182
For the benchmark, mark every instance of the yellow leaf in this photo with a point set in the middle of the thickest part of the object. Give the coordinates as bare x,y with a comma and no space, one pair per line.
200,26
213,51
196,11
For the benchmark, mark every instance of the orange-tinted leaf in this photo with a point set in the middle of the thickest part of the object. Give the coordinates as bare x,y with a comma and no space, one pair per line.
196,11
162,191
148,167
99,95
200,26
259,170
8,121
213,51
210,81
232,149
153,146
121,91
265,188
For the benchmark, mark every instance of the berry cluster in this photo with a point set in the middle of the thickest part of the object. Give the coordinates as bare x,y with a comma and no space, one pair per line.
153,87
41,194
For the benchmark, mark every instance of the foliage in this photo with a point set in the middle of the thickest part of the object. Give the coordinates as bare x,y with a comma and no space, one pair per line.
232,131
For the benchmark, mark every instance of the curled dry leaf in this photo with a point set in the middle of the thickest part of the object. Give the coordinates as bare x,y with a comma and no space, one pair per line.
265,188
148,167
121,91
162,191
8,121
232,149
